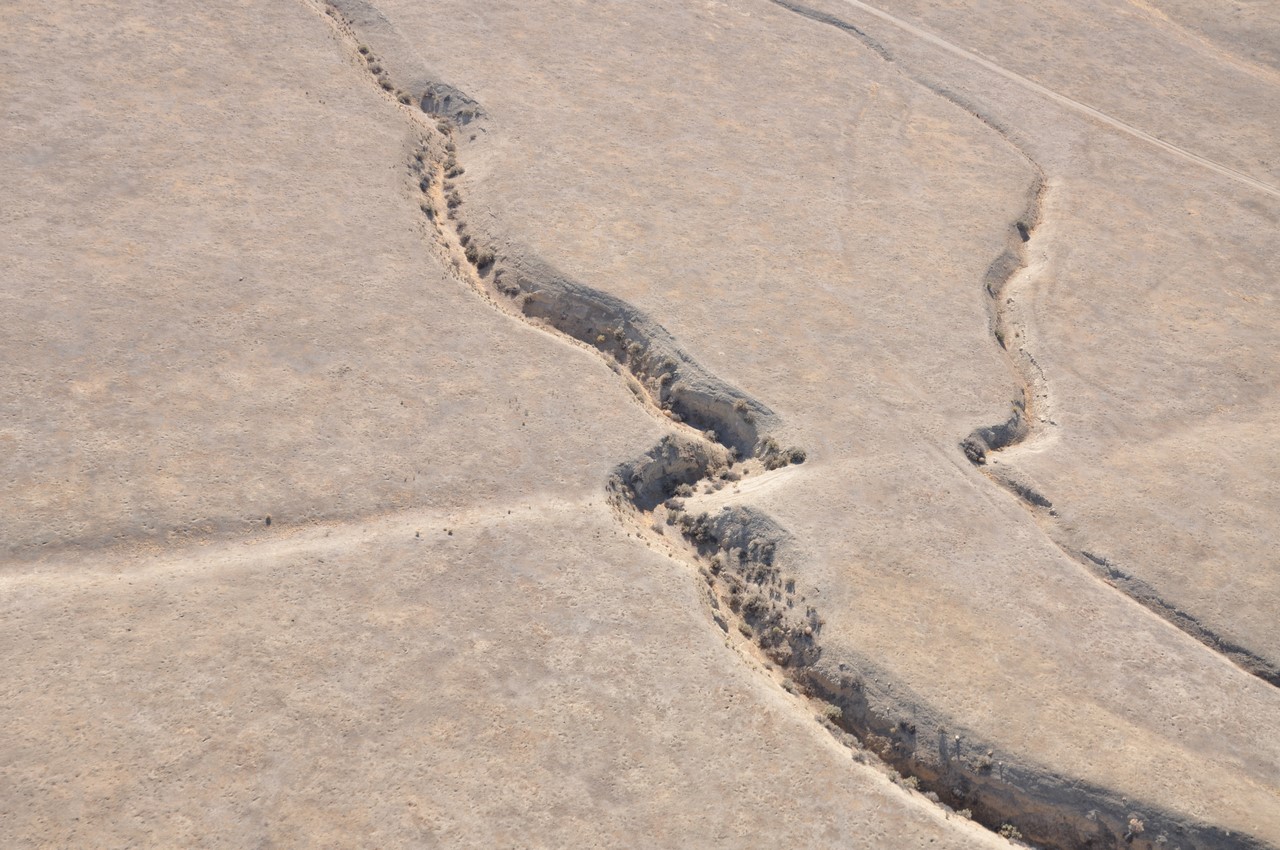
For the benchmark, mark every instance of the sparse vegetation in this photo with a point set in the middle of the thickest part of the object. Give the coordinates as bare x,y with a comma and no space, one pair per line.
775,457
1011,832
507,287
737,569
479,257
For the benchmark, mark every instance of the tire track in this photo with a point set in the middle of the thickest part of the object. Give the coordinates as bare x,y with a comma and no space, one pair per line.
1061,99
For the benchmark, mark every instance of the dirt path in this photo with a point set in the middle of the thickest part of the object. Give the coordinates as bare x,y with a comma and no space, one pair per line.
1061,99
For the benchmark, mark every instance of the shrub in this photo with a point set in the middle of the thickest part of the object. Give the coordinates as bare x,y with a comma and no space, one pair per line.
479,257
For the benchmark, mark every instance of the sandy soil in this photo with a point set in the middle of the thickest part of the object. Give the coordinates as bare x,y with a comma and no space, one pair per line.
329,519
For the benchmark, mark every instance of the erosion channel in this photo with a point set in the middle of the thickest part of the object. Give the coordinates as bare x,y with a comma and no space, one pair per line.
719,436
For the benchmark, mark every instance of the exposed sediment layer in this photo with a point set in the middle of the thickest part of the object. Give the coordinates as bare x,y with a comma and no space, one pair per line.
718,434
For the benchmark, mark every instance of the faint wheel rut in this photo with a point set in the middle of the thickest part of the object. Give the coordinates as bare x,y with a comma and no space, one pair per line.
1062,100
717,436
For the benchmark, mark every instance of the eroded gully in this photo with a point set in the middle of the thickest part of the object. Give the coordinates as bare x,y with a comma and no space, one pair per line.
719,436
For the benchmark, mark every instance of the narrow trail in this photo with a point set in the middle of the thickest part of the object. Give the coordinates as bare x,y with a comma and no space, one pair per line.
1030,424
719,437
1061,99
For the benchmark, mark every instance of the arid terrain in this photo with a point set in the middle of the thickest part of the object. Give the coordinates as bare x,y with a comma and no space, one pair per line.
689,423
